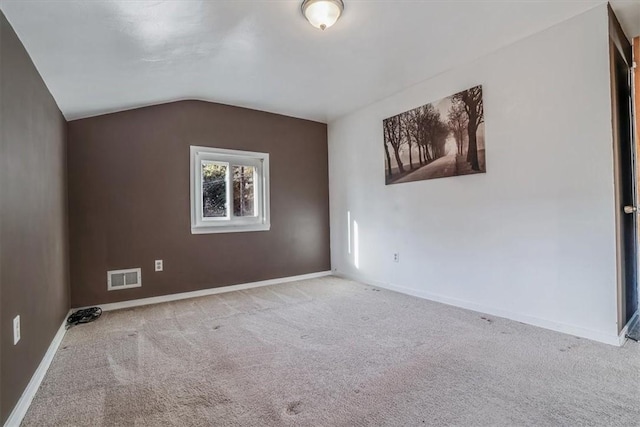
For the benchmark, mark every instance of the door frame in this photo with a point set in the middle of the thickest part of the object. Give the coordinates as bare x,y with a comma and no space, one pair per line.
635,139
618,42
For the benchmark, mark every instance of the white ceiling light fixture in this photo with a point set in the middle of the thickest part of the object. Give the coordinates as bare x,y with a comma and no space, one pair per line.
322,13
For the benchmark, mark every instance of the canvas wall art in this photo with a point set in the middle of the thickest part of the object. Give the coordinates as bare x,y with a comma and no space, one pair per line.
436,140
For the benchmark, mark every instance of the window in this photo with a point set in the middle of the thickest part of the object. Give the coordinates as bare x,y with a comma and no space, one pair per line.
229,191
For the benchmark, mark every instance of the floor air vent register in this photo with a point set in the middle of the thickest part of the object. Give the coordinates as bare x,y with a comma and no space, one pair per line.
124,279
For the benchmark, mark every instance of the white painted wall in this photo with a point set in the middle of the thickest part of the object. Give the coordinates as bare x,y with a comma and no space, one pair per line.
533,239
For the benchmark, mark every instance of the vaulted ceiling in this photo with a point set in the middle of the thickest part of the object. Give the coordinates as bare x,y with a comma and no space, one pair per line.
105,55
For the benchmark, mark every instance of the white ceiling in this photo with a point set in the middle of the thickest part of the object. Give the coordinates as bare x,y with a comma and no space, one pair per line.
100,56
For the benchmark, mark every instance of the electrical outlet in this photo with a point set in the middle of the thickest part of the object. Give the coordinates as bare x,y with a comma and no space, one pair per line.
396,257
159,265
16,329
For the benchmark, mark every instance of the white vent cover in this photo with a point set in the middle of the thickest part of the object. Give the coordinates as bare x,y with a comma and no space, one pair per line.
124,279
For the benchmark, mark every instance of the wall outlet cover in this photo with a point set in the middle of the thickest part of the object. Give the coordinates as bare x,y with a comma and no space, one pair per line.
159,265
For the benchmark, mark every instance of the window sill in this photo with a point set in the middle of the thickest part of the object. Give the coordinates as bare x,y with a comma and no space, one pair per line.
230,229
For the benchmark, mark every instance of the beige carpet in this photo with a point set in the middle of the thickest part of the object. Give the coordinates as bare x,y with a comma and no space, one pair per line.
330,352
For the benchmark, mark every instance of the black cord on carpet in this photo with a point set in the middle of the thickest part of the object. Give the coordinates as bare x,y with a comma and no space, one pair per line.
84,315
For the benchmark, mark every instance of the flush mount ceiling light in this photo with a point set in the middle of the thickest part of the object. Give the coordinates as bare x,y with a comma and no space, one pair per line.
322,13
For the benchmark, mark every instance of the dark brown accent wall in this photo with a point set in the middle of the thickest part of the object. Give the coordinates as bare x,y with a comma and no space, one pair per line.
129,200
33,217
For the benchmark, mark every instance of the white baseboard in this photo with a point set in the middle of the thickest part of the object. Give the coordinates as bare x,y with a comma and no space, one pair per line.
20,410
622,337
205,292
530,320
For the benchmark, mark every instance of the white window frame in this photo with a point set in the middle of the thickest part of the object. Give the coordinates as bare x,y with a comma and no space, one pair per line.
230,223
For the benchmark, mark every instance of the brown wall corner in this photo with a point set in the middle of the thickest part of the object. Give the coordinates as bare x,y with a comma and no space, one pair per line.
33,217
129,200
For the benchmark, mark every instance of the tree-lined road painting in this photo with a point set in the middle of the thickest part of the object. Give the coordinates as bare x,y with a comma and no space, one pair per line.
444,138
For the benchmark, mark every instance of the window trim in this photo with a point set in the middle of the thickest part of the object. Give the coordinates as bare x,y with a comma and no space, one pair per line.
230,223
